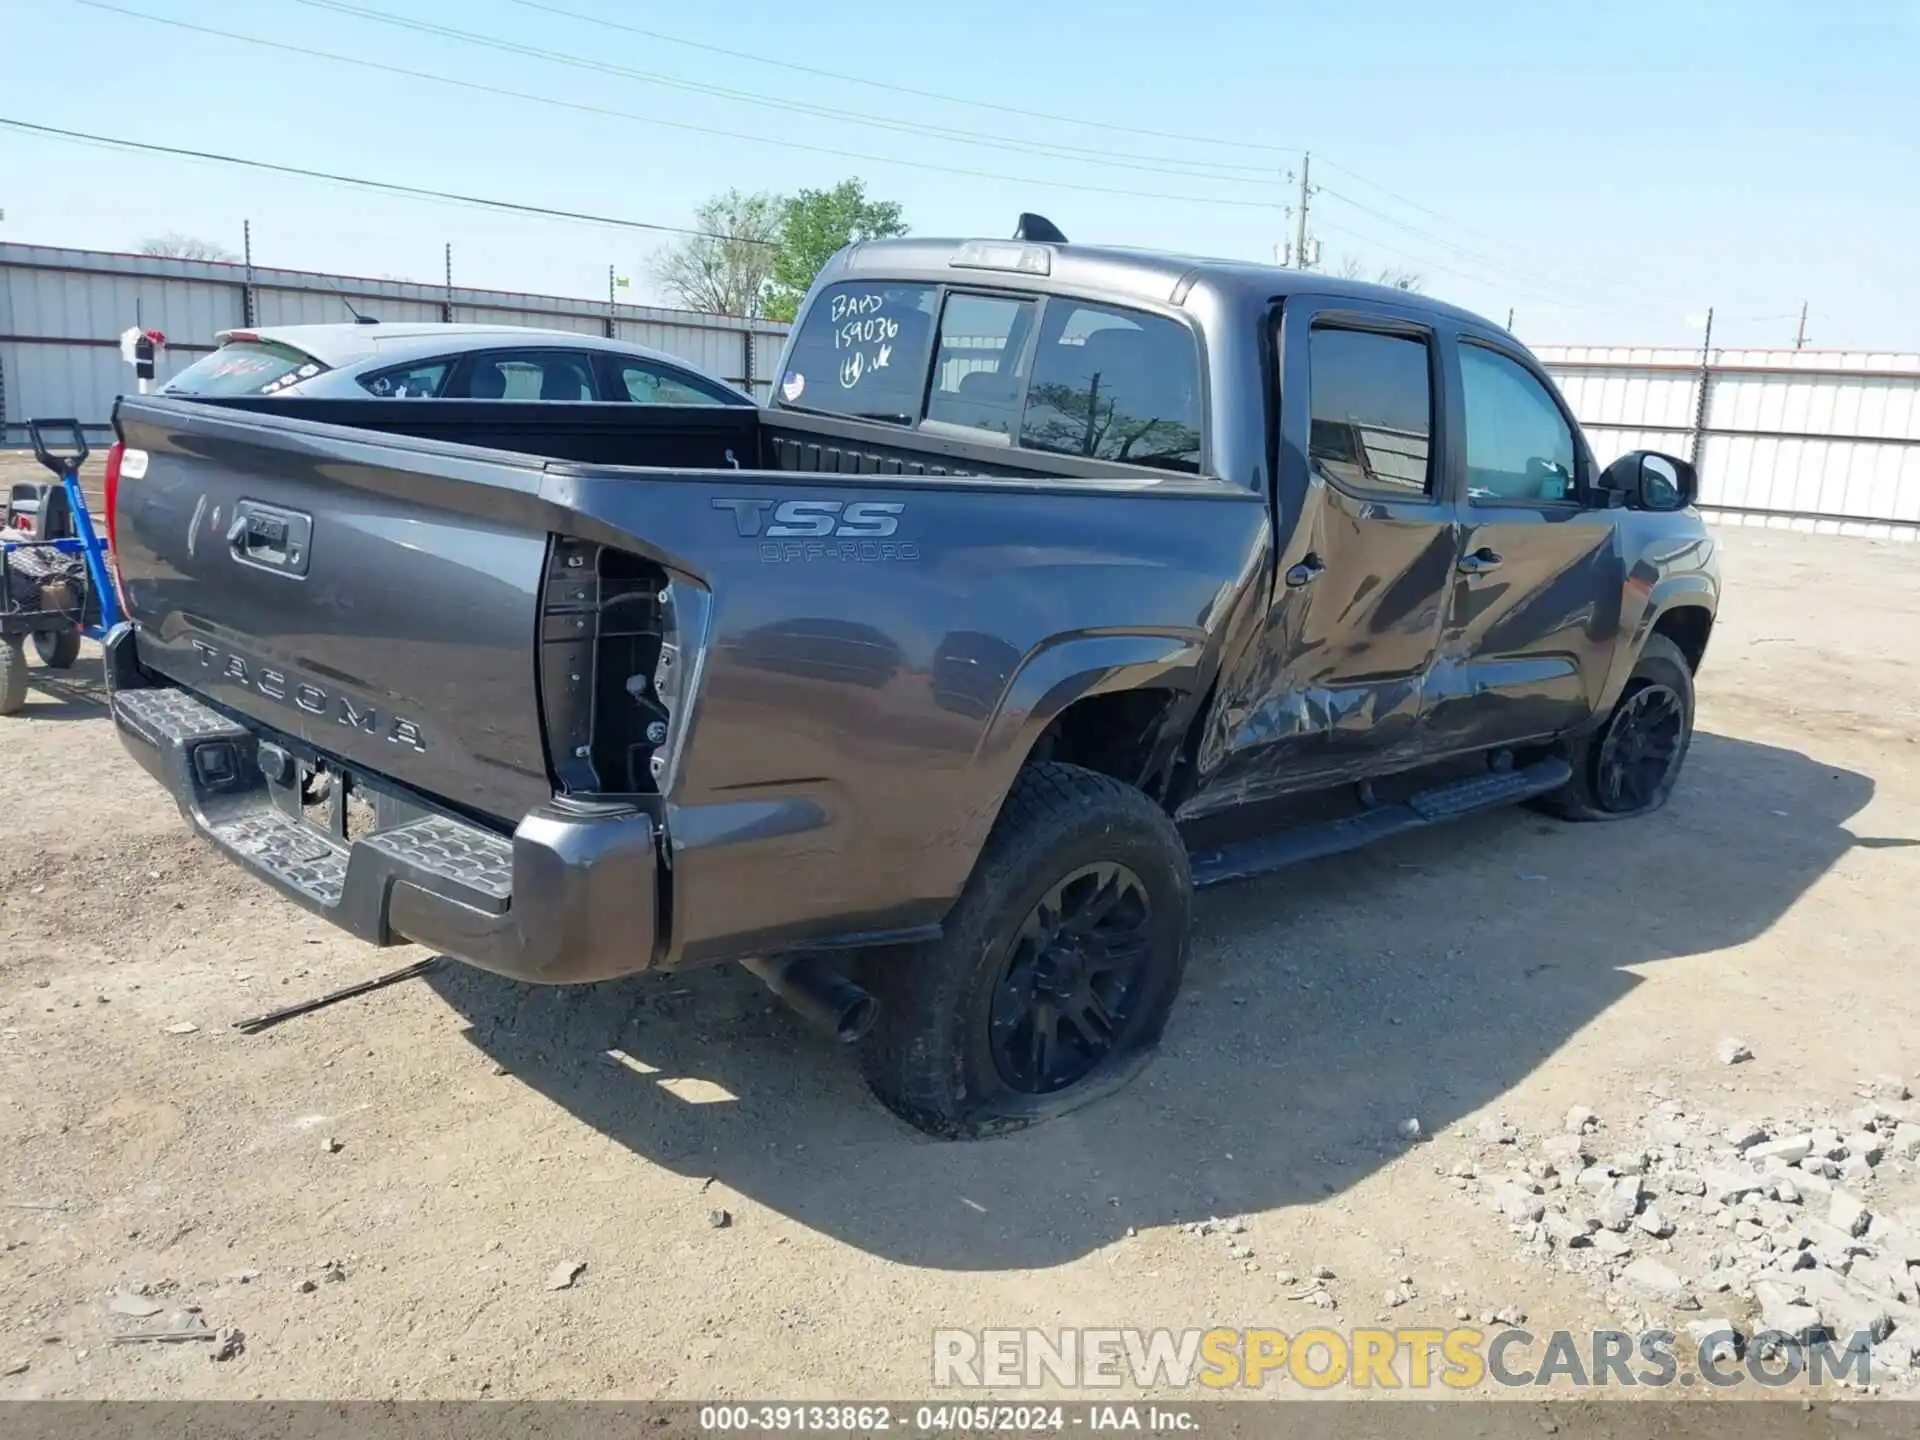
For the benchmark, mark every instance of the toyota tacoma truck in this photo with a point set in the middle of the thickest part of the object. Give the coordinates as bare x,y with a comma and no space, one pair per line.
1051,583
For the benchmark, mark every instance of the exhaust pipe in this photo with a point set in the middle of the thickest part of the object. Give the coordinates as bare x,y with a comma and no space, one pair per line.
818,993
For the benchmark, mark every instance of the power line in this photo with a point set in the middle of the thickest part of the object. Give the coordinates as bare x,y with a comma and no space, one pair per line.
584,108
1430,264
1500,262
843,78
1153,164
414,191
1588,276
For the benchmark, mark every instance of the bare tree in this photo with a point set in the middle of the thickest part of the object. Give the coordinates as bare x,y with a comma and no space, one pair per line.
176,246
1353,269
725,269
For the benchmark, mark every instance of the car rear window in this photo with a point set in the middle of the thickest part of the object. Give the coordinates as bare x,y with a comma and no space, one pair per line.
245,367
862,352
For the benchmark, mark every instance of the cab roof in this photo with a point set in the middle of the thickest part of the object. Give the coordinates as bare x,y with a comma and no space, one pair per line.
1152,276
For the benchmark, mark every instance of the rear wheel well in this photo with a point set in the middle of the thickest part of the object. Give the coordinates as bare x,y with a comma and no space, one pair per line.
1688,627
1113,734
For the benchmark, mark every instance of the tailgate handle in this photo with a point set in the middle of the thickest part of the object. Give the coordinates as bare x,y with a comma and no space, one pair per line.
270,537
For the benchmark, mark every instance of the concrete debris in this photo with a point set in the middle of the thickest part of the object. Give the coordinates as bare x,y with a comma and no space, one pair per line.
1498,1132
1410,1129
1654,1223
1867,1146
1684,1182
1518,1203
565,1273
1656,1281
1567,1152
1745,1135
137,1307
1581,1120
720,1219
1890,1087
228,1343
1719,1340
1733,1052
182,1027
1846,1213
15,1367
1784,1313
1789,1150
331,1146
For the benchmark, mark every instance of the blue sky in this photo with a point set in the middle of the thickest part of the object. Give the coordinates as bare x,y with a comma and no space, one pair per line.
1605,170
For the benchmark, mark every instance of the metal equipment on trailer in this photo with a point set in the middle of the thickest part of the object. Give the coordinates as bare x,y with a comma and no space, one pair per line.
54,584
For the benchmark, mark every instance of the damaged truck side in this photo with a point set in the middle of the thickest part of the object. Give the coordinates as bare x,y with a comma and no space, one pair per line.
1052,582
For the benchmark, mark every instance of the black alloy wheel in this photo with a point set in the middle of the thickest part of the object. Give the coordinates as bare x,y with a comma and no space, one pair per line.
1640,749
1072,976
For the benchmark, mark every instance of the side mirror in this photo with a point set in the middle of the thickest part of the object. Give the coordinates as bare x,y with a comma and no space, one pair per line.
1649,480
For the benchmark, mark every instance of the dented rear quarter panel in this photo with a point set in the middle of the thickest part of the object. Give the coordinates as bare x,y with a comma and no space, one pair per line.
863,710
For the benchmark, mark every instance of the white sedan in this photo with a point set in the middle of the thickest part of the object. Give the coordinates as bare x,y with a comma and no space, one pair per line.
412,361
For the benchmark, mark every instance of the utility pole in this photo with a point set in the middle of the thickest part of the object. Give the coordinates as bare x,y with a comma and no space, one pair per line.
1306,198
248,308
448,307
1509,319
1697,444
1800,335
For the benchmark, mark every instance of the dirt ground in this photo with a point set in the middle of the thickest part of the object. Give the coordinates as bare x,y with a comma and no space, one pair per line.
488,1133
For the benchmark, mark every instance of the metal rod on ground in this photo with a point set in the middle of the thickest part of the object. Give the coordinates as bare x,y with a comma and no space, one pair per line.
274,1017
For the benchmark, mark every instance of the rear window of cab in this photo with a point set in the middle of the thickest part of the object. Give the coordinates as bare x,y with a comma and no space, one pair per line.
1047,373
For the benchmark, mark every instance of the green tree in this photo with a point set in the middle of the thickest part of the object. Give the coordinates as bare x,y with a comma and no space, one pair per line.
816,224
725,269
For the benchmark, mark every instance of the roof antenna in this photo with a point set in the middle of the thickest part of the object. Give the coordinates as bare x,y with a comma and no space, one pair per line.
1038,229
358,318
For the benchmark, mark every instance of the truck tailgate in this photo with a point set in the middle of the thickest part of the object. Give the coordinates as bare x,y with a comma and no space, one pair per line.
384,615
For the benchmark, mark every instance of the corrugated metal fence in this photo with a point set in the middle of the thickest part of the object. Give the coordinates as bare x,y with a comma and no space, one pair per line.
1810,439
62,312
1821,440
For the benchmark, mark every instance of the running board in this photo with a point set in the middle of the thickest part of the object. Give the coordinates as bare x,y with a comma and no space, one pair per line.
1245,859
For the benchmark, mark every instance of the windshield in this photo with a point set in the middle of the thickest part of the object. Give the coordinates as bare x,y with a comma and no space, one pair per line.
245,367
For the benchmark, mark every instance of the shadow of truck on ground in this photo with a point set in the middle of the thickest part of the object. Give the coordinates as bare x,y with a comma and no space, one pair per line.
1323,1005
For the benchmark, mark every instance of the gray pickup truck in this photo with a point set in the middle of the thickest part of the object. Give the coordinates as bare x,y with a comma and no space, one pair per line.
1053,582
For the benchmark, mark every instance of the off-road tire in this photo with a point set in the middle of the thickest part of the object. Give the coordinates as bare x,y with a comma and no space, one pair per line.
57,649
928,1057
1661,663
13,673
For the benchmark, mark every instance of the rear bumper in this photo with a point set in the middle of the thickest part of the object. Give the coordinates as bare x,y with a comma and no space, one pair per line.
573,896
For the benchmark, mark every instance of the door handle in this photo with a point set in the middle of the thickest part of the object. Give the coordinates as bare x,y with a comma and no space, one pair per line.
1306,572
1480,562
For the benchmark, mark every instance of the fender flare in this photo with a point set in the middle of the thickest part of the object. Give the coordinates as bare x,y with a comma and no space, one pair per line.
1072,667
1669,593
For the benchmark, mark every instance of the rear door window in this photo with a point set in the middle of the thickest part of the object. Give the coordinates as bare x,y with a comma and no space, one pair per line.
646,384
980,364
559,375
245,367
1114,384
421,379
862,352
1372,404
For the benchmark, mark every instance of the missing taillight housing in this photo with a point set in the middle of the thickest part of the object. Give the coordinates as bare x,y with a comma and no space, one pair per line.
116,469
615,668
